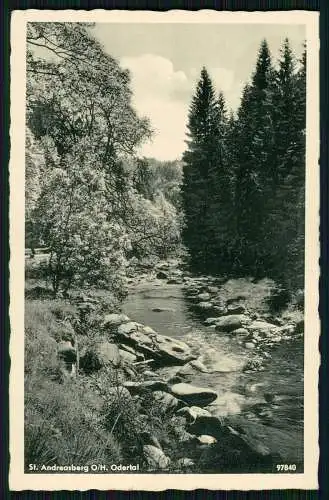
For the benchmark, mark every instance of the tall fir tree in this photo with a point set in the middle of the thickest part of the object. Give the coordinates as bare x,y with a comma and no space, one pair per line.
244,176
254,166
198,161
289,200
220,192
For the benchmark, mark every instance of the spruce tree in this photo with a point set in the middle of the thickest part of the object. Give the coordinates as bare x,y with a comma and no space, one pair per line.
290,193
220,194
254,164
198,162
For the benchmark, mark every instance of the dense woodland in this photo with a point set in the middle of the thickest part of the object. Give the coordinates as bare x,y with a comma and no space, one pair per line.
244,175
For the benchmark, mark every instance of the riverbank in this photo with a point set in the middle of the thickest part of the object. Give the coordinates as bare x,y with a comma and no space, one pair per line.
156,397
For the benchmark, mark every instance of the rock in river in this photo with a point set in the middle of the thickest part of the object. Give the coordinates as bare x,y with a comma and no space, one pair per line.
249,345
205,306
209,425
262,327
162,309
211,321
192,413
231,322
193,395
266,440
164,350
205,439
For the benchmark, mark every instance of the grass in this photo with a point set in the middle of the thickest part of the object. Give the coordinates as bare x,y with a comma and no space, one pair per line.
62,417
86,419
62,426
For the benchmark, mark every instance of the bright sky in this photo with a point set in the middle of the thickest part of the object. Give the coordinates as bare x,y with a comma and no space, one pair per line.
165,61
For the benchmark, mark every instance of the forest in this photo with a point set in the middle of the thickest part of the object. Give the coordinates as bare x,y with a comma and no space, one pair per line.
98,216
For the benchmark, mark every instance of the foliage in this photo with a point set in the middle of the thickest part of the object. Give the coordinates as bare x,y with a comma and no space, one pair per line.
201,164
244,176
86,247
154,227
89,199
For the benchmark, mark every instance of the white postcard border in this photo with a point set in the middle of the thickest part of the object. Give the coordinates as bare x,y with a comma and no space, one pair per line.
18,479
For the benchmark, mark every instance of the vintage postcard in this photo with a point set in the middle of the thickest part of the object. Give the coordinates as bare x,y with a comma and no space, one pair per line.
164,247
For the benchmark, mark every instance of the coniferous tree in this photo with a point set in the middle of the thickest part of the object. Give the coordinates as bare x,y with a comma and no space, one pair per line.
290,195
220,193
244,176
253,157
198,161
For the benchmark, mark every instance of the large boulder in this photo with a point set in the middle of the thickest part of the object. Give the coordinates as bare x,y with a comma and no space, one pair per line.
128,328
155,457
131,350
263,327
162,349
232,322
127,356
150,385
193,395
115,319
205,306
100,355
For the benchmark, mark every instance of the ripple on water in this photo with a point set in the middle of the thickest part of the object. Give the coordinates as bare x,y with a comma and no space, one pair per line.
238,392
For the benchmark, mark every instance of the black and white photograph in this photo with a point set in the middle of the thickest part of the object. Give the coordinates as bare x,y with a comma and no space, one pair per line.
166,230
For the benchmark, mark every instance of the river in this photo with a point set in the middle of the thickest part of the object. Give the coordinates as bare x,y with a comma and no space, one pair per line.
272,397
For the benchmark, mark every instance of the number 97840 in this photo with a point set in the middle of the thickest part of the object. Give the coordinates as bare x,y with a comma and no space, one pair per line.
286,467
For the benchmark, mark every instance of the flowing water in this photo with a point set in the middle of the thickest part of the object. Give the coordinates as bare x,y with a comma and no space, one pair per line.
273,397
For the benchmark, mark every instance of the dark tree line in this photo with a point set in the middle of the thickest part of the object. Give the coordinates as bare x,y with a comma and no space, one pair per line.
244,175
